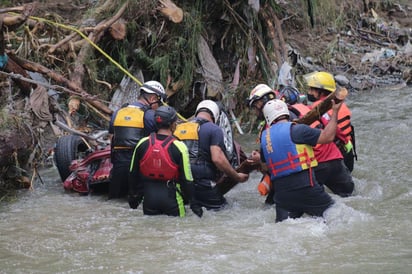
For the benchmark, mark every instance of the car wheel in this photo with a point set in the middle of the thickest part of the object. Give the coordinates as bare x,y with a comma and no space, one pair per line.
224,124
68,148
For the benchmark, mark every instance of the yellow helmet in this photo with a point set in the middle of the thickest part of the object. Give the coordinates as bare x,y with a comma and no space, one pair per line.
320,79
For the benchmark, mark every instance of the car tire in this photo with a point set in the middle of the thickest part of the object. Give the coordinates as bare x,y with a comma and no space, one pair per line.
230,144
68,148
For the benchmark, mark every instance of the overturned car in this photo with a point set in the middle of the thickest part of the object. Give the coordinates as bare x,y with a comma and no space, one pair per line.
84,164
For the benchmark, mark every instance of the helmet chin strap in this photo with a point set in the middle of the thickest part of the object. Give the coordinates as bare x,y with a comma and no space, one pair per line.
157,102
148,102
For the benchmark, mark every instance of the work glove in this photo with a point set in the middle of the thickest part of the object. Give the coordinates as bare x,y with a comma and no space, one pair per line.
134,201
348,146
197,209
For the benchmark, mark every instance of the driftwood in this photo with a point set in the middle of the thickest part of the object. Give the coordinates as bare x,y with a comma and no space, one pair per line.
62,80
12,22
173,12
273,36
84,53
252,52
320,109
225,183
13,67
118,29
210,69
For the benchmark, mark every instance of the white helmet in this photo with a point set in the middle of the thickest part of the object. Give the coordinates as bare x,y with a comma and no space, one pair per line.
211,107
275,109
261,91
154,87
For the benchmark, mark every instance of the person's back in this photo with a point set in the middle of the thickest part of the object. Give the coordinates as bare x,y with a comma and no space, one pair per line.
331,170
127,126
198,135
205,142
291,167
160,173
321,84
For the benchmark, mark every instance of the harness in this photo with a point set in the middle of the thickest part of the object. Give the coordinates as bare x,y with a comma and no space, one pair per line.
157,163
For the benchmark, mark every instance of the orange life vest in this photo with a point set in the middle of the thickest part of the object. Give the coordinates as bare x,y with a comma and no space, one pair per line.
344,117
344,123
265,185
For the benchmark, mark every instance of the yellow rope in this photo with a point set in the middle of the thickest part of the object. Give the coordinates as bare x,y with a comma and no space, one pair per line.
99,49
91,43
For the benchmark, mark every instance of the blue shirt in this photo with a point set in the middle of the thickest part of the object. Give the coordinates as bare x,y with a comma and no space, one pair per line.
210,134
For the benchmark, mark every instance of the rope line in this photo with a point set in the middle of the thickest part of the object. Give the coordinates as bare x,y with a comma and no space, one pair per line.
99,49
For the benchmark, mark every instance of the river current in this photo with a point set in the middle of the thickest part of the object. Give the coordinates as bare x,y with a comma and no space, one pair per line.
50,231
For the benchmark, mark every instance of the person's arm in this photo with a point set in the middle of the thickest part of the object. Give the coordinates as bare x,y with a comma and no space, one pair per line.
149,121
328,133
255,158
135,185
221,162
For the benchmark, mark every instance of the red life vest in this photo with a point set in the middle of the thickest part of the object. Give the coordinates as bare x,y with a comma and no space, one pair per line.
157,163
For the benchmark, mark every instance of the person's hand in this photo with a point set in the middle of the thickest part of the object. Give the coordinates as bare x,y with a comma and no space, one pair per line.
243,177
134,201
197,209
336,106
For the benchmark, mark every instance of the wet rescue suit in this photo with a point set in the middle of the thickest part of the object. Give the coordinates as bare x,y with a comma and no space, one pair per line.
160,174
128,125
286,148
199,135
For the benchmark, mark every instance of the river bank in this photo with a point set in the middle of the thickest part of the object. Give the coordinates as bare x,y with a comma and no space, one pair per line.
368,43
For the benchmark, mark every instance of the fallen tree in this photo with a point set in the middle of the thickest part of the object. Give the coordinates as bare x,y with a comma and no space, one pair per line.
197,49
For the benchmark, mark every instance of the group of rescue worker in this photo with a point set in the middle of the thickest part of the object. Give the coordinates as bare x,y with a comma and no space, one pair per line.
299,159
165,164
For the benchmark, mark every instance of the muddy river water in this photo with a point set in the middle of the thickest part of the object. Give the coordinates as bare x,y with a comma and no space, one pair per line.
49,231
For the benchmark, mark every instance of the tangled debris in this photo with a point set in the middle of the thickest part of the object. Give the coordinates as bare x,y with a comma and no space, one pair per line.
55,68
